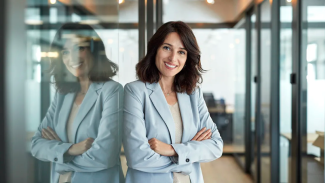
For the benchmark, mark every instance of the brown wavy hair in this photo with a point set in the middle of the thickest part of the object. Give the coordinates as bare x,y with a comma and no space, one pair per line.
103,69
188,78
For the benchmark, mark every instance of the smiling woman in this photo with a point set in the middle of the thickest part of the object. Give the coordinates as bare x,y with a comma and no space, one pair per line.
167,127
81,55
172,45
81,131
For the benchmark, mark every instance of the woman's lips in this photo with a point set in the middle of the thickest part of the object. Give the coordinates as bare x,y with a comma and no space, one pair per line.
170,66
76,65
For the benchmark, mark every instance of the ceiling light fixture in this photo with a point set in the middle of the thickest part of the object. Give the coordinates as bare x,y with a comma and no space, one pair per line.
52,1
120,1
110,41
210,1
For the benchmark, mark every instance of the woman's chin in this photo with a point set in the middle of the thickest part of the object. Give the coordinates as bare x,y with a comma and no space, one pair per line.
169,74
79,75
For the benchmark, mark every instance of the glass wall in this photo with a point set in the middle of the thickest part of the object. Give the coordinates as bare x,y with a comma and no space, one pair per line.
106,28
312,90
285,88
265,82
253,75
239,136
219,82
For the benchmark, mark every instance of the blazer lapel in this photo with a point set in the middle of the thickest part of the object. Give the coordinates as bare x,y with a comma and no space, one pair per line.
64,116
158,99
85,106
184,103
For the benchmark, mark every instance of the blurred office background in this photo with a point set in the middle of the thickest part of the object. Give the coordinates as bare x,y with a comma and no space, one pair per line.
265,84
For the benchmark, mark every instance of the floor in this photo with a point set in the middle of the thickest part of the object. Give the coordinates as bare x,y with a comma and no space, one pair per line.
222,170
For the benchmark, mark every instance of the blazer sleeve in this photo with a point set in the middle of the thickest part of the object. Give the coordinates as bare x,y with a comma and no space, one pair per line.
105,150
138,153
49,150
200,151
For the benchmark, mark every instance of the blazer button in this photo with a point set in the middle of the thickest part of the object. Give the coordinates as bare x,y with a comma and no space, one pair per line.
187,160
55,159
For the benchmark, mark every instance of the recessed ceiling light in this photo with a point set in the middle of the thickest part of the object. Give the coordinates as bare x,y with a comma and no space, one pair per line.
210,1
52,1
110,41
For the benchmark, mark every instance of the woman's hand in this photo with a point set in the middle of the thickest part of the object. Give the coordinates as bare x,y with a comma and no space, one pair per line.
81,147
202,135
49,134
162,148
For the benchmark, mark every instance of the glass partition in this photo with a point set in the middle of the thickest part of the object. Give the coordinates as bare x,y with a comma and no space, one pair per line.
312,90
74,49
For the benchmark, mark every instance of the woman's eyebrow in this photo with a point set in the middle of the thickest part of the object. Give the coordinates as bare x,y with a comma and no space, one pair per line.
172,46
169,44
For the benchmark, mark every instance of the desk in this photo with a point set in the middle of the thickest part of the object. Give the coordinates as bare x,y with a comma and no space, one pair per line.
312,167
220,110
311,137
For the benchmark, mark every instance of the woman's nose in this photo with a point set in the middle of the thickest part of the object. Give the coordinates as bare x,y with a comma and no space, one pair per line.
74,57
172,56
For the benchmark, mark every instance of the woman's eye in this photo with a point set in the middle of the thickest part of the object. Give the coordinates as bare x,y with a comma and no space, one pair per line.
182,52
81,48
166,48
65,52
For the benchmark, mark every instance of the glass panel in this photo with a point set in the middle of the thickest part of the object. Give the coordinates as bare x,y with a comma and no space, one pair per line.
285,89
73,52
219,91
265,48
313,89
240,81
253,91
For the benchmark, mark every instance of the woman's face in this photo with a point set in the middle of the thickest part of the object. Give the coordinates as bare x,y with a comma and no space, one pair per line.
171,56
77,57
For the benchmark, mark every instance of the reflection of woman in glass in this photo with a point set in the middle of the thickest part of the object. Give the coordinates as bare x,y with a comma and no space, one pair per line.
167,127
80,133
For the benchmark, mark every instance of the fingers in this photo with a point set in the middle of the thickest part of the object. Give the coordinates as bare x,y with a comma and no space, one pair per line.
152,140
90,140
203,135
88,143
56,137
208,136
44,135
47,134
153,143
198,134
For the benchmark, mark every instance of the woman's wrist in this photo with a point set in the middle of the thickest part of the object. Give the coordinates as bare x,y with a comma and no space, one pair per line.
71,151
173,152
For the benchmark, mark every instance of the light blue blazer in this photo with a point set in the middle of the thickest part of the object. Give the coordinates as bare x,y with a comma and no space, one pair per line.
146,116
99,117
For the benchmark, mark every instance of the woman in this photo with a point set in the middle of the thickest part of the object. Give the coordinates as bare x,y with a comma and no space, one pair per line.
167,127
81,132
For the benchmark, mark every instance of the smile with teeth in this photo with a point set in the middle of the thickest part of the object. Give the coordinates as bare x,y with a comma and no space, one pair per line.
170,66
76,65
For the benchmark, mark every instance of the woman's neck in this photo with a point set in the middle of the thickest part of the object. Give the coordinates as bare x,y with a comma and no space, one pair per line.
84,84
167,83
